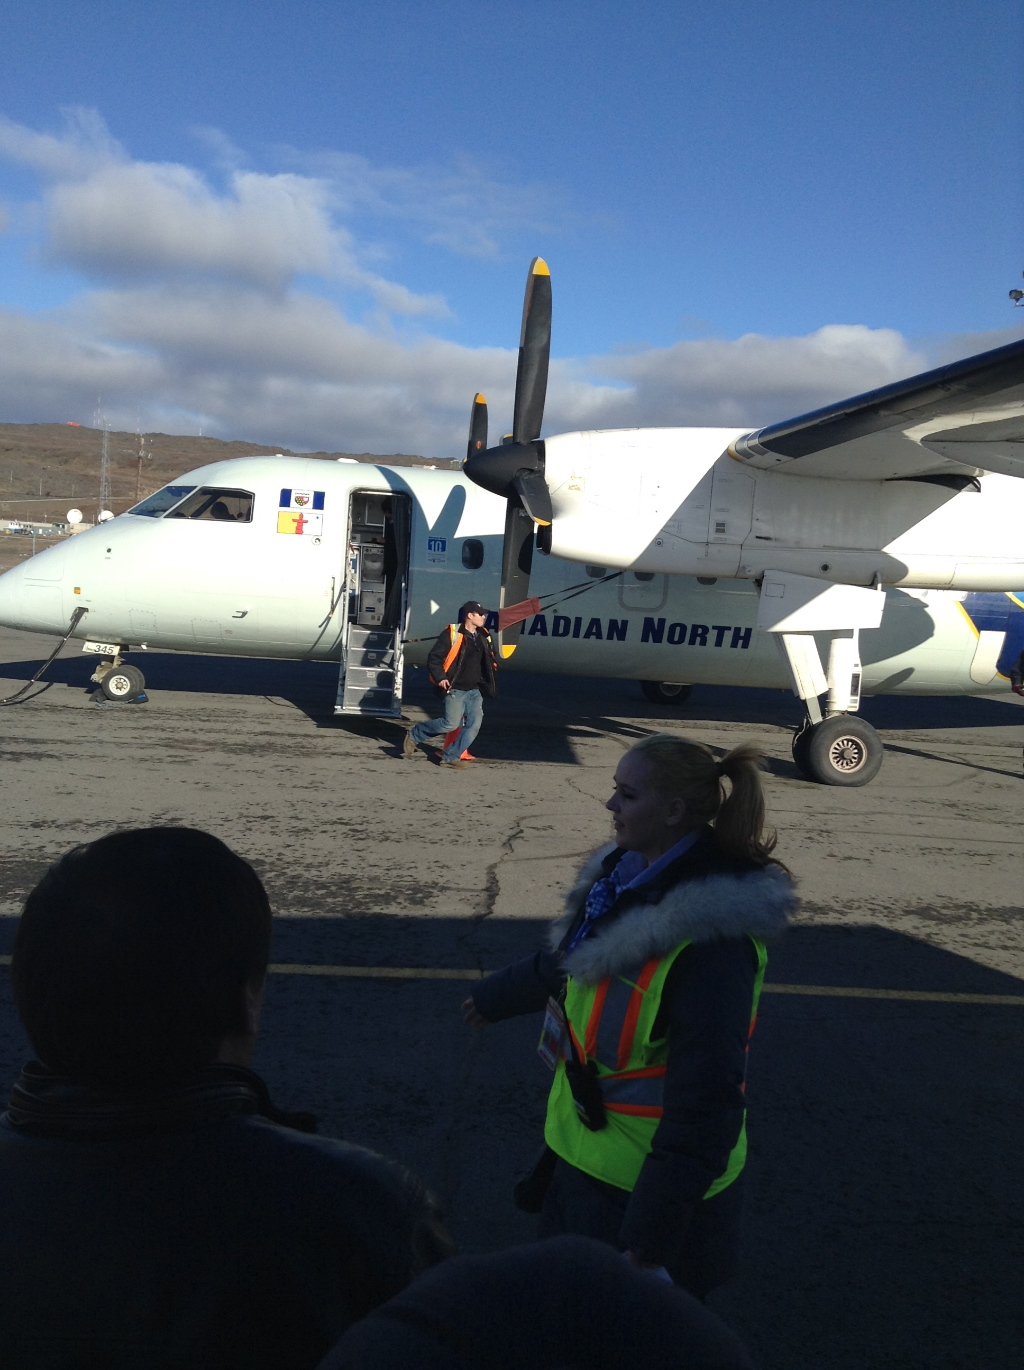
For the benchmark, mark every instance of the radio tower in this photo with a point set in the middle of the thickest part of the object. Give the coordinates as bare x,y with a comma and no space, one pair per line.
104,502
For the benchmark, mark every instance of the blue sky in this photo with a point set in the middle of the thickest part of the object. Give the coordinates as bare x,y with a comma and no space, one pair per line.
310,223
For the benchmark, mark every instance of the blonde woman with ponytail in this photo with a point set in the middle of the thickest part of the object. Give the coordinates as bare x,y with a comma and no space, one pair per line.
650,983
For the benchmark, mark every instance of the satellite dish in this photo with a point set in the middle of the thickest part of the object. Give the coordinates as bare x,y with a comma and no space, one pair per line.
74,516
104,516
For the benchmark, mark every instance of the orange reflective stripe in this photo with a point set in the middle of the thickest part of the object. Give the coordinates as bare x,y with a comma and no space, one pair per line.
629,1023
453,650
594,1021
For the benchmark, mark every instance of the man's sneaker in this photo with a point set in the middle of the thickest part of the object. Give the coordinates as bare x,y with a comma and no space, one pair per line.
408,747
459,765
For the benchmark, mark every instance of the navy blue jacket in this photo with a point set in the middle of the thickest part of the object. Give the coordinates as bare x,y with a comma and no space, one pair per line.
184,1228
564,1303
705,1013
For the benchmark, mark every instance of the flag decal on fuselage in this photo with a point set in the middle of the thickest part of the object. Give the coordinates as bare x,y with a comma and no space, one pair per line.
299,512
301,499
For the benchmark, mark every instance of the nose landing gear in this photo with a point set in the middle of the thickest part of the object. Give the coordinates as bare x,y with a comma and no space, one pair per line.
665,691
119,683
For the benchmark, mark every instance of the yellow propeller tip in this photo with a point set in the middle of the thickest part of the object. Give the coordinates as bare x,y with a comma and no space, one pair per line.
479,399
544,523
507,651
539,267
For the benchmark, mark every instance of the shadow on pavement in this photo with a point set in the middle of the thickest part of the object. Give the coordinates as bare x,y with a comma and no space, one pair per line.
535,717
885,1209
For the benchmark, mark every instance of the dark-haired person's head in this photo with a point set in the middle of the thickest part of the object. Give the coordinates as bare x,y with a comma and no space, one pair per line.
140,958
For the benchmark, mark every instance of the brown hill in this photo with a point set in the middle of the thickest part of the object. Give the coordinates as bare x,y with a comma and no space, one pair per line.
45,468
48,468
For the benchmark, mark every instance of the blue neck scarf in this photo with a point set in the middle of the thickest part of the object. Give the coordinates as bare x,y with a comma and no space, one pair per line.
629,873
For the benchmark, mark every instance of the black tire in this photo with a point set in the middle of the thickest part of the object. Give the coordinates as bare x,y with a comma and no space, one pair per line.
122,683
665,691
842,750
800,740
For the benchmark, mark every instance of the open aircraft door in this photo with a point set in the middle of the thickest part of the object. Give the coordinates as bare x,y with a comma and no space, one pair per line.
375,600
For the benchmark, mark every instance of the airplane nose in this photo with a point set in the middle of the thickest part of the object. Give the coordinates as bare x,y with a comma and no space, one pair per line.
32,595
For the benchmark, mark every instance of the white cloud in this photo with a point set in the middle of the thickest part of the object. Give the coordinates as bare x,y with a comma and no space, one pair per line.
752,380
51,370
194,317
121,220
85,145
141,219
291,369
462,208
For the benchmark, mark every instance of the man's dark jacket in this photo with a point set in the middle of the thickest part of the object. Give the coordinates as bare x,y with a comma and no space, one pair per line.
567,1302
488,685
184,1228
717,903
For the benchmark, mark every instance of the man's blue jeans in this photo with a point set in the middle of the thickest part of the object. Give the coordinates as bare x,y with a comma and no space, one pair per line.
463,709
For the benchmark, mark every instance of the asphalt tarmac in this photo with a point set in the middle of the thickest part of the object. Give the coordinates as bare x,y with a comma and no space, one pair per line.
885,1196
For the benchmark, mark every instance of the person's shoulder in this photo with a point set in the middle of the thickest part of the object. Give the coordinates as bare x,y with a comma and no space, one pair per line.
285,1158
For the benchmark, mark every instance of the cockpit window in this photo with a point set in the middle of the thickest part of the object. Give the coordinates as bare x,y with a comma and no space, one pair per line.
155,505
215,505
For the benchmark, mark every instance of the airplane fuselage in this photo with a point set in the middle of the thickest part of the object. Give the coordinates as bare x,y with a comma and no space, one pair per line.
249,588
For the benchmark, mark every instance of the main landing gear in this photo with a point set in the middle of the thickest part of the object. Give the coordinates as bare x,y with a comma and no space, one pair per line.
665,691
841,750
834,746
119,683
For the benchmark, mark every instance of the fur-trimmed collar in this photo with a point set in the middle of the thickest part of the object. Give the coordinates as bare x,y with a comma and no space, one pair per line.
757,903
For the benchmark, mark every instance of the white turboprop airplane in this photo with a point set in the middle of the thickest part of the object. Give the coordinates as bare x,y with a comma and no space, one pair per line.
886,529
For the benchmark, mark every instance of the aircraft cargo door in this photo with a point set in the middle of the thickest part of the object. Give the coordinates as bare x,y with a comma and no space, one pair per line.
375,604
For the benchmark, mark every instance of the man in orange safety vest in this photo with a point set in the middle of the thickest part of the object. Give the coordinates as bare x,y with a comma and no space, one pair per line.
463,665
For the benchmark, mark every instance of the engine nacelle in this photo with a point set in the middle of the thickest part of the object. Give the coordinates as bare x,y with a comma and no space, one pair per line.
671,500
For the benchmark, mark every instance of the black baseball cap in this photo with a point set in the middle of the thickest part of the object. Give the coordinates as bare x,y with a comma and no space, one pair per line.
471,606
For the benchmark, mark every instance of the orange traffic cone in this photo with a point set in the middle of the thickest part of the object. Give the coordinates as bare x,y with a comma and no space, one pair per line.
449,738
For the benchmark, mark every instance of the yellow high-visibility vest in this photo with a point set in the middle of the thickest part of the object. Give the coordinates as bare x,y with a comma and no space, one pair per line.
612,1024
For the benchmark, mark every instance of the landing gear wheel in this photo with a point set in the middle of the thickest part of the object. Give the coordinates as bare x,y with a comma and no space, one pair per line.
800,739
123,682
665,691
842,750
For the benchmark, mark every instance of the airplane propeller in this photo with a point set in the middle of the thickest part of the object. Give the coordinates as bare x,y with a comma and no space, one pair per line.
516,468
477,426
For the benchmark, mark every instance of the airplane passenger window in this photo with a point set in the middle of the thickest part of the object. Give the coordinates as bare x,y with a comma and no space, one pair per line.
596,572
643,575
155,505
472,554
216,506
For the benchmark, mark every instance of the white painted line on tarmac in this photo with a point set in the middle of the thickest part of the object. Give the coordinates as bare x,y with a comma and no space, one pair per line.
926,996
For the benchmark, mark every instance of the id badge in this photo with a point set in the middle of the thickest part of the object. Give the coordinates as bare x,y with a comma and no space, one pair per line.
554,1036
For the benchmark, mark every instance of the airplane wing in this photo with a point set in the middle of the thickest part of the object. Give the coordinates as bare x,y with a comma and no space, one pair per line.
956,421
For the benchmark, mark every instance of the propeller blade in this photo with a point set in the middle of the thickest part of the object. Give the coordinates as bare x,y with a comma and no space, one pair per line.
516,469
534,348
477,427
516,561
532,490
